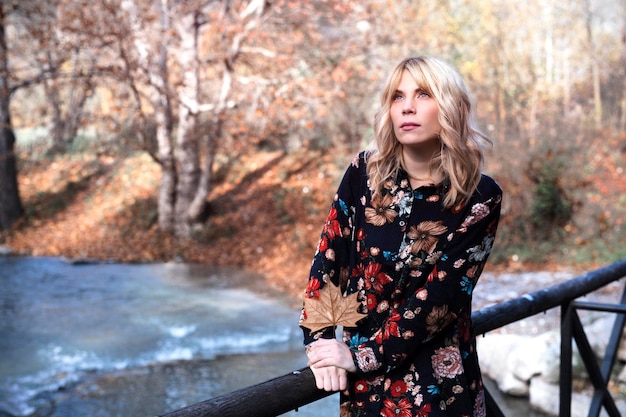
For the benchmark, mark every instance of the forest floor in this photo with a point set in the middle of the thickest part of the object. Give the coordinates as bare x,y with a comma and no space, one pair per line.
266,213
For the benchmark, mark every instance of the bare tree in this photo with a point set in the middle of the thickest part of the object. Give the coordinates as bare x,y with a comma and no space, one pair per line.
147,64
595,68
622,105
41,61
10,203
168,35
67,95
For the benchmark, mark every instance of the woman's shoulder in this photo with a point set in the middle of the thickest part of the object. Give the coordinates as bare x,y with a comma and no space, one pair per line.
363,156
355,175
359,161
488,188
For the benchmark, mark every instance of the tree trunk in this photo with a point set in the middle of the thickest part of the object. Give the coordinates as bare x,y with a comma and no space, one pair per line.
10,204
159,74
167,187
204,185
68,112
595,67
58,125
152,59
622,119
188,157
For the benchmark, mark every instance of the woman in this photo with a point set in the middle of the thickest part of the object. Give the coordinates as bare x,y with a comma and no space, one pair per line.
409,231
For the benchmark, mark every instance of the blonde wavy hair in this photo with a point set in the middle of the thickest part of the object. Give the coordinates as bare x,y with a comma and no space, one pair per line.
462,143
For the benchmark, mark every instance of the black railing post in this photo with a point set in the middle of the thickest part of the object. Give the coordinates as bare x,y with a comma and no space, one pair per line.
591,363
610,356
572,330
600,376
565,374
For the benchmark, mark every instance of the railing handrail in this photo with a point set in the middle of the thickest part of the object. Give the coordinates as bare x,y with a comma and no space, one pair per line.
296,389
499,315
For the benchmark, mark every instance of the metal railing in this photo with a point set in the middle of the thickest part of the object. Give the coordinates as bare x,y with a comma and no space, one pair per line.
296,389
572,329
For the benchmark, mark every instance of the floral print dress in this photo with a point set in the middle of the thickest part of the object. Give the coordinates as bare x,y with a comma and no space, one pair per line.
414,265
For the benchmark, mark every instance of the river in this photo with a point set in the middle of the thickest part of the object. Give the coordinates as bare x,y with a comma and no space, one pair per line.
104,340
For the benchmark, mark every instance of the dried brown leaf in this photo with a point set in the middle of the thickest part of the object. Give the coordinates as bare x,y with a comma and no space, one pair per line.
331,309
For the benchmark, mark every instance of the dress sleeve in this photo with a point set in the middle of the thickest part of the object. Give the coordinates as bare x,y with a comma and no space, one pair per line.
435,303
331,262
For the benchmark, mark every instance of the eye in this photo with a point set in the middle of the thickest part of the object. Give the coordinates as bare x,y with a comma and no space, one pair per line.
397,97
423,94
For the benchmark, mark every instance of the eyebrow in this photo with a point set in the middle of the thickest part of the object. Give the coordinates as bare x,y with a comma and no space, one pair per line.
417,90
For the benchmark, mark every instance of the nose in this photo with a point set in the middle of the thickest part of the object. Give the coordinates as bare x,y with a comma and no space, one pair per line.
408,107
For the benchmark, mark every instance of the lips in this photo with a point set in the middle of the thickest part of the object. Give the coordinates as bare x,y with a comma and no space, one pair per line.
409,125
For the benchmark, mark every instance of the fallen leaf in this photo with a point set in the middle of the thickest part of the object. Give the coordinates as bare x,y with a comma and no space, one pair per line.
331,309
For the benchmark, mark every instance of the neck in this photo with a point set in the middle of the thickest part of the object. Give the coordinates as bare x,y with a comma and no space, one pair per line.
418,167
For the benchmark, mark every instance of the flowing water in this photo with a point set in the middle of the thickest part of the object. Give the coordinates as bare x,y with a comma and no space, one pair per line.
132,340
138,340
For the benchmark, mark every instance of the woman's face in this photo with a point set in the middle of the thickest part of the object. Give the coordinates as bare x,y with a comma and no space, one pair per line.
414,115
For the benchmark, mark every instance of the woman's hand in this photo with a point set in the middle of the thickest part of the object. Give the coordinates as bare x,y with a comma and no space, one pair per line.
330,360
330,378
330,352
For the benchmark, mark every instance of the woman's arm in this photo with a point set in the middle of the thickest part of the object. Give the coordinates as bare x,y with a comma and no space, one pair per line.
332,258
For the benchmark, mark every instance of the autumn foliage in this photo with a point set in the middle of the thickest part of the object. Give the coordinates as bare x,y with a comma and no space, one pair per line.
129,112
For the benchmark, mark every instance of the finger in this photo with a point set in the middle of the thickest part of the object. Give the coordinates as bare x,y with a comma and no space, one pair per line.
319,383
339,380
343,381
314,360
319,380
323,379
322,362
316,354
332,382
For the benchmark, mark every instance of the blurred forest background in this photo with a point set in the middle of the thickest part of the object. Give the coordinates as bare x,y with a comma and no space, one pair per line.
217,131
